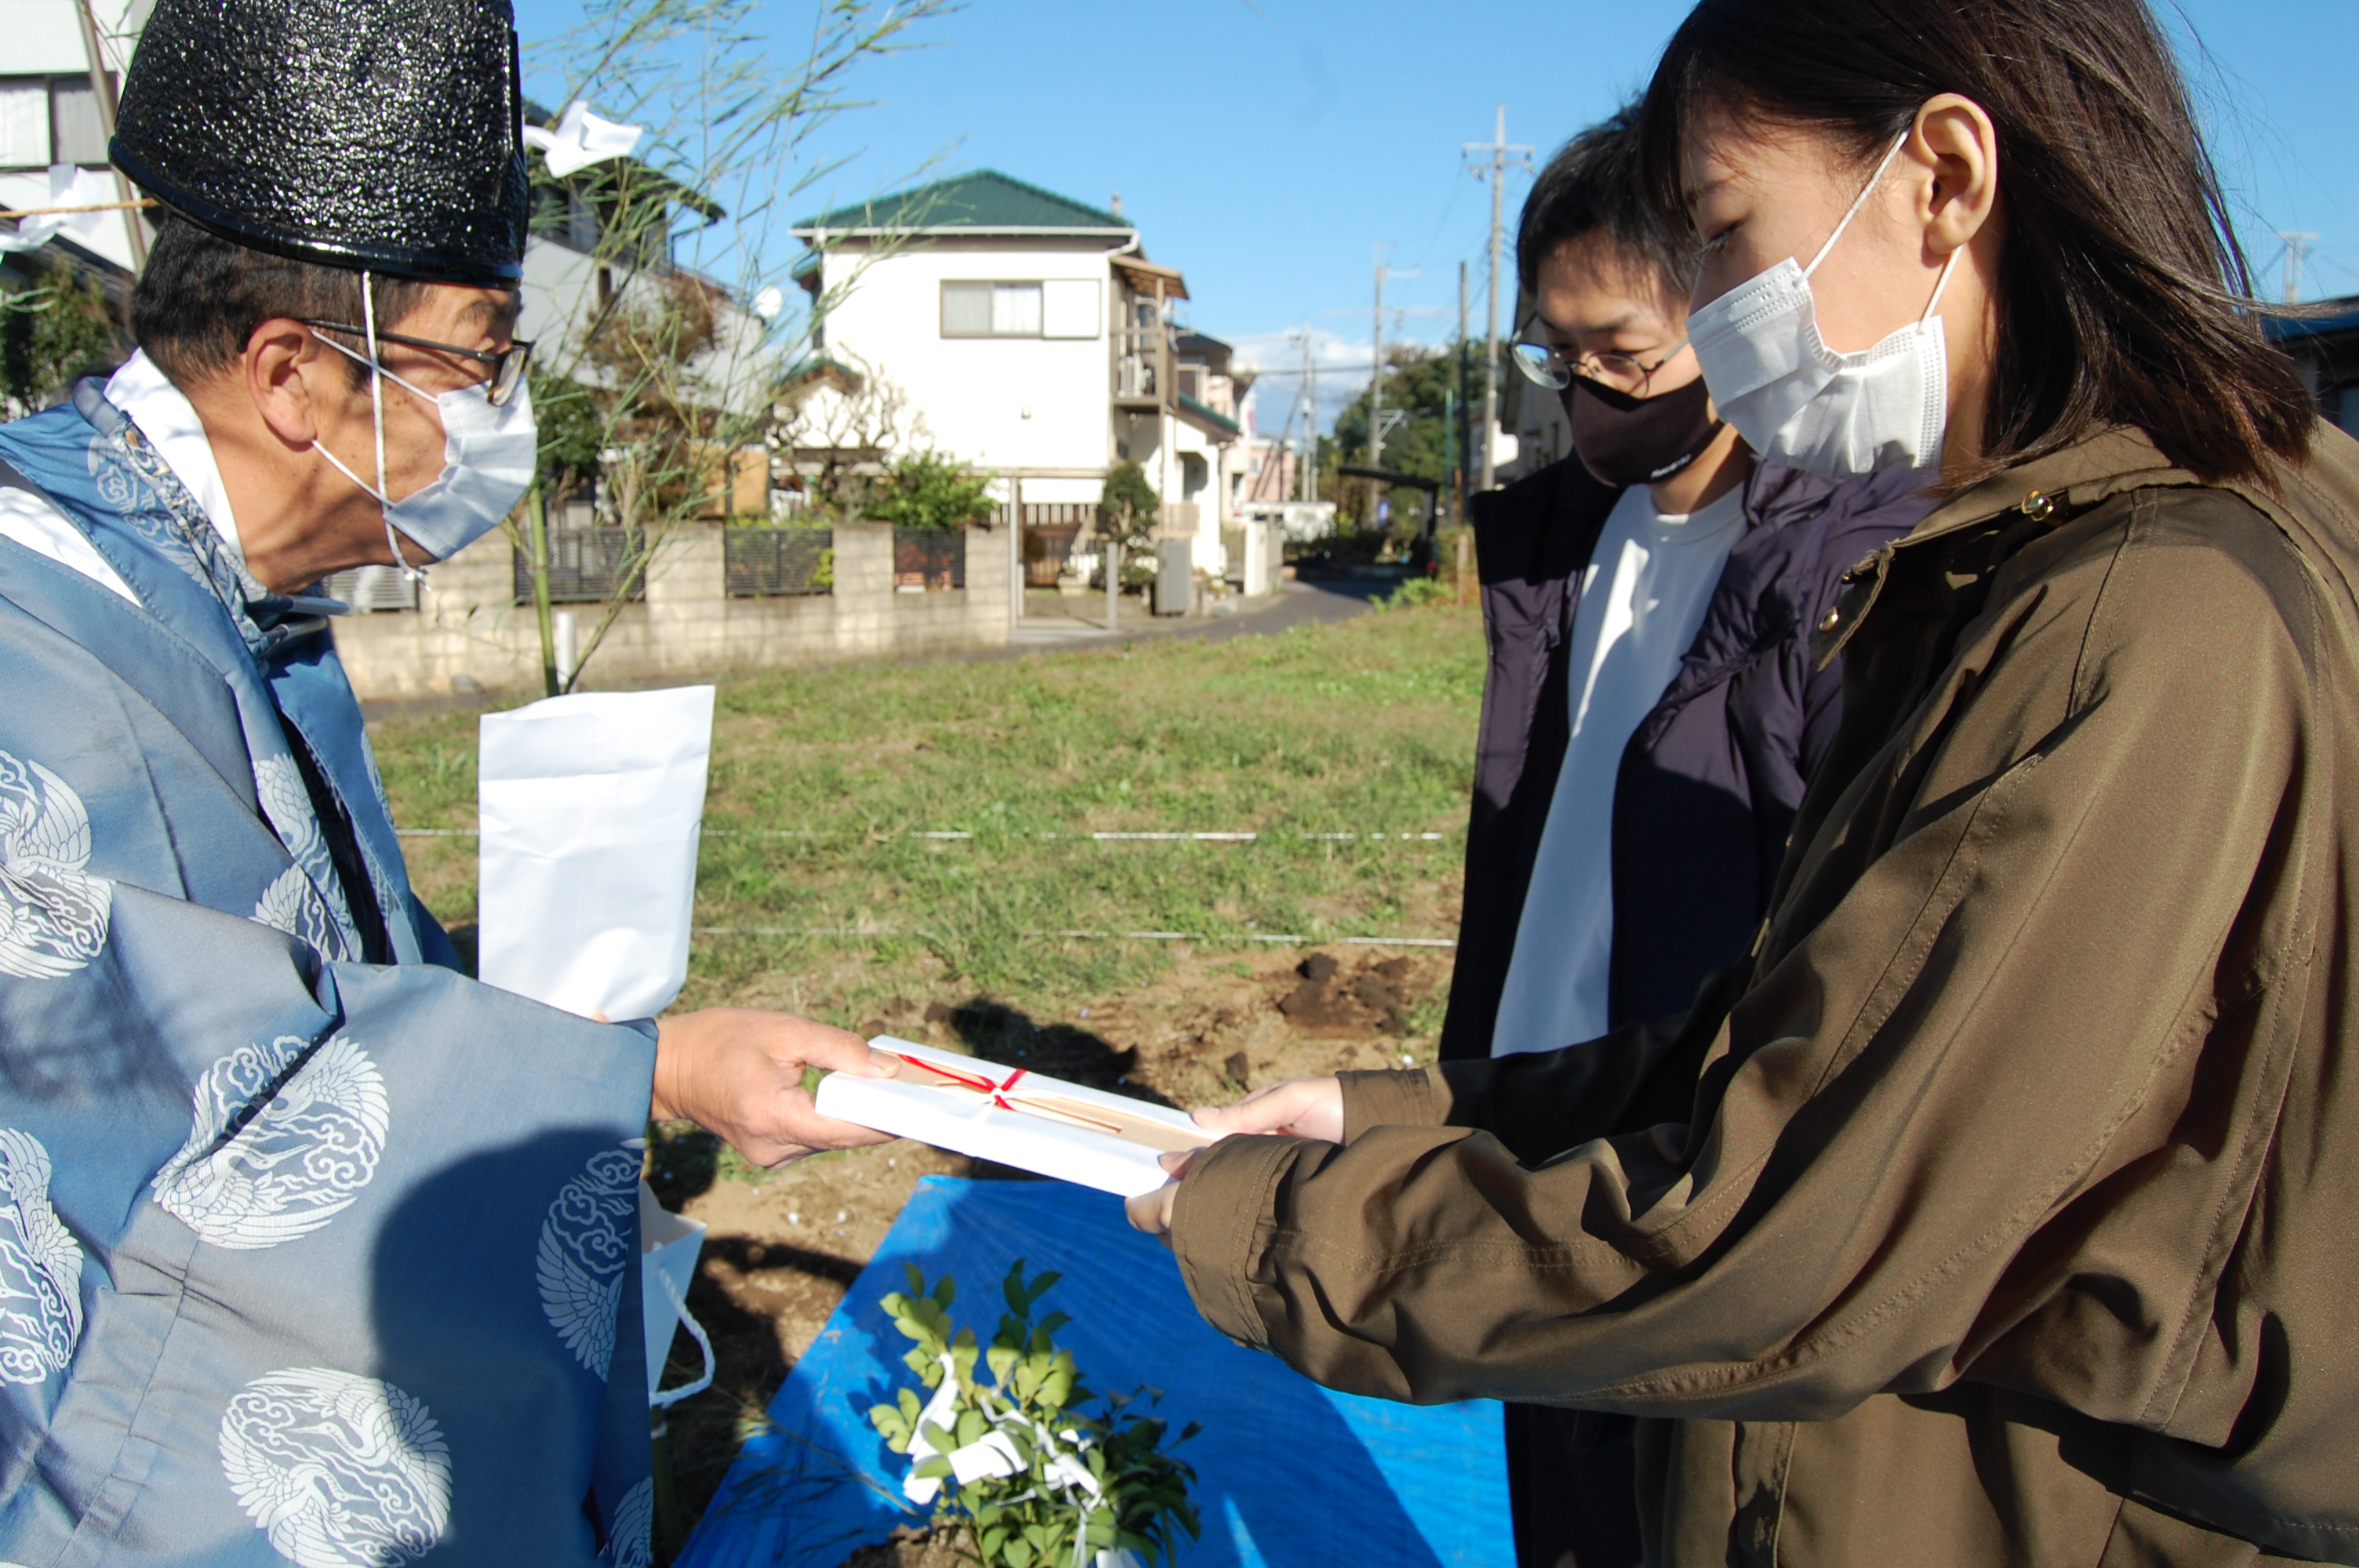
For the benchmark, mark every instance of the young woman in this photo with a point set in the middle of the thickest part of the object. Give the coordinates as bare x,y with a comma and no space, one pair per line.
2011,1218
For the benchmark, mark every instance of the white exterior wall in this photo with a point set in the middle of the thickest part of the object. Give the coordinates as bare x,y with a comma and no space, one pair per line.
44,39
1021,406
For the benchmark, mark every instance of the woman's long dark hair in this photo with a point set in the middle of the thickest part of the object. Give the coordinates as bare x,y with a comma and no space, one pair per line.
2123,295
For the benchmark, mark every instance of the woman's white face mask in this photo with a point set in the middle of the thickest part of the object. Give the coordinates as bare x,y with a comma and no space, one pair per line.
487,458
1798,402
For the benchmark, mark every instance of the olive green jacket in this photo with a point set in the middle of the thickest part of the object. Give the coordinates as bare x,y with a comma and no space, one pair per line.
2006,1211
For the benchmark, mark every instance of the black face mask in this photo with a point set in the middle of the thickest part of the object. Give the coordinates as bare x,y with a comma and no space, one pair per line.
1624,440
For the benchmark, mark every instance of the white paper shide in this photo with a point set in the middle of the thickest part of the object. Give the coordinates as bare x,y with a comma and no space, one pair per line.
592,807
992,1111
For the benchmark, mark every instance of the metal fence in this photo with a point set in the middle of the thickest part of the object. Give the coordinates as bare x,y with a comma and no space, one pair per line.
928,560
585,564
774,563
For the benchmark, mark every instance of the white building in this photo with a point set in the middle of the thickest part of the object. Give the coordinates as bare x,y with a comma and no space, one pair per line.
51,117
1032,338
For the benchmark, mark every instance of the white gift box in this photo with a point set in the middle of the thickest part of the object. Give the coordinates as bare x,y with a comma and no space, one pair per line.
592,807
1044,1125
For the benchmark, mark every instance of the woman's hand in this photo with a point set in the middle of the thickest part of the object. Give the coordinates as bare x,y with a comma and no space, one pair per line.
738,1072
1306,1108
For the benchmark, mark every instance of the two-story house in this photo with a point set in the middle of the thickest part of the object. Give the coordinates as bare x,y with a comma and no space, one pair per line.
1030,337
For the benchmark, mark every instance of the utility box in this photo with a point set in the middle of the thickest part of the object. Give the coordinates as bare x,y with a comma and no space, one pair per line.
1175,577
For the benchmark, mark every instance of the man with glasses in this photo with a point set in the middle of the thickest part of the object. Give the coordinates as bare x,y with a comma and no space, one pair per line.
1651,711
309,1245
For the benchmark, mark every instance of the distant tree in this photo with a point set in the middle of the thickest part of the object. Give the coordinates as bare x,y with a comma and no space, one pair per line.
1422,383
1130,506
835,424
930,490
62,328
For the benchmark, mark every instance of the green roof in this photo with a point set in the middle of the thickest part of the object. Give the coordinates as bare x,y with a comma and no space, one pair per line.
985,199
1203,418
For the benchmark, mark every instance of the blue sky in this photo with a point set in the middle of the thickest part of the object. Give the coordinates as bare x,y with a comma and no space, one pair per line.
1265,146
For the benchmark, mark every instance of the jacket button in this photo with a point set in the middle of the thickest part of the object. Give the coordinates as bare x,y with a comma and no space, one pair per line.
2038,506
1832,619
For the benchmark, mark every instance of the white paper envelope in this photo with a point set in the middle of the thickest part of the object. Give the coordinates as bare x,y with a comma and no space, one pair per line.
1044,1125
668,1244
592,807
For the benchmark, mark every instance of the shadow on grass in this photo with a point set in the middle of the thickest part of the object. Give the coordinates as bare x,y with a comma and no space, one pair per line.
1007,1035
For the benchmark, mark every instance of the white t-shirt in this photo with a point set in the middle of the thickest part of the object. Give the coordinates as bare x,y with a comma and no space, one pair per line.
1642,600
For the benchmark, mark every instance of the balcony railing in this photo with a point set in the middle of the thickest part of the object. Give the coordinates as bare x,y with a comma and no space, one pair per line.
1142,356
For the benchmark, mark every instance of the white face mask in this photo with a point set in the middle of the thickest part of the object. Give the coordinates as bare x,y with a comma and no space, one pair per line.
1798,402
487,458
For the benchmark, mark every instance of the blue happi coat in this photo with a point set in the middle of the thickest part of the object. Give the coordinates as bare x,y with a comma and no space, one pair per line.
312,1249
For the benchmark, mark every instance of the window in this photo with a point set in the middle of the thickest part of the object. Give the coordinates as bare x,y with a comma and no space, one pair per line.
991,309
25,124
1059,308
47,120
1069,308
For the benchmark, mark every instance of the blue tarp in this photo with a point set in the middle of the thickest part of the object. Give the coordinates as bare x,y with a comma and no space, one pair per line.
1289,1474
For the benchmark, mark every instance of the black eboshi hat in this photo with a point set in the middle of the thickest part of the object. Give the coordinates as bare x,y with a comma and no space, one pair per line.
377,134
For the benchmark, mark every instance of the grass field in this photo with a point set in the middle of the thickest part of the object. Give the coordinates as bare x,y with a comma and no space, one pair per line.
820,778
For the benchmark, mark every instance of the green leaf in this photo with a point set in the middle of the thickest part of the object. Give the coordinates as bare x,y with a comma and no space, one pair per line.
1053,1322
1190,1430
933,1470
1017,1554
1002,1361
940,1440
1012,1288
971,1426
945,1291
917,1281
1041,1284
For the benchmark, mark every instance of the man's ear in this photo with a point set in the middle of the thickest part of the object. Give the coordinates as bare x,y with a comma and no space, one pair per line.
287,373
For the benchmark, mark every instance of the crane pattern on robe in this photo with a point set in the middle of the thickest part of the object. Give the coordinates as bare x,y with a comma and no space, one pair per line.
52,915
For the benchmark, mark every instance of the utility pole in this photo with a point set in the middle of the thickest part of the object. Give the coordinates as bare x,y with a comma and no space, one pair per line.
2296,247
1307,477
1498,147
1459,477
101,87
1376,379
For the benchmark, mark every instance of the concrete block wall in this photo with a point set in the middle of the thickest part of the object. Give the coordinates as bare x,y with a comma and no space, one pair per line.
467,635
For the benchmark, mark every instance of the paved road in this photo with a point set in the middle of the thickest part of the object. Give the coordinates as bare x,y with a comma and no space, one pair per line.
1296,604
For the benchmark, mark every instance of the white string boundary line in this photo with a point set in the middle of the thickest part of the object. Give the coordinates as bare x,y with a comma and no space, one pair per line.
1287,938
945,834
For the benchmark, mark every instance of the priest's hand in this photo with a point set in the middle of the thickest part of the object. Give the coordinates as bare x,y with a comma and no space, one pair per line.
738,1072
1306,1108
